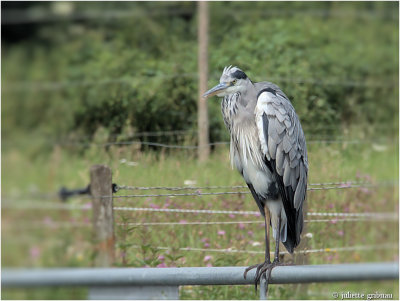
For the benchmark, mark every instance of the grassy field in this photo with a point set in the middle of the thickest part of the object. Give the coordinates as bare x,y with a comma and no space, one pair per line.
53,238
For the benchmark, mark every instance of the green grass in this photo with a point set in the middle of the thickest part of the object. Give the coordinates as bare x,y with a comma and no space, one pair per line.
31,245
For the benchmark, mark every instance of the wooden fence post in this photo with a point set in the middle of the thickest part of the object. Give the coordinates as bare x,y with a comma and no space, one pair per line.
202,110
103,216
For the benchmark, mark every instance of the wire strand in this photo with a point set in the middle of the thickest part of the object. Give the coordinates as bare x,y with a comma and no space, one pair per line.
338,185
127,187
333,221
198,193
257,213
322,250
57,225
88,206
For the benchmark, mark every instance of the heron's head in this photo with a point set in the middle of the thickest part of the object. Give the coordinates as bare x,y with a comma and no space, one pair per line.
232,80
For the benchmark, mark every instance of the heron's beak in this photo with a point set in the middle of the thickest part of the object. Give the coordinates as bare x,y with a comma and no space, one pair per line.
216,90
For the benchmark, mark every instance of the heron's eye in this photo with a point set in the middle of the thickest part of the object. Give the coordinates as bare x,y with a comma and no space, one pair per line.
234,81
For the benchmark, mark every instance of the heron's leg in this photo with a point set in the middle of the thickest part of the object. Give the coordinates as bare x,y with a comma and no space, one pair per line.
267,261
269,268
267,252
267,230
278,239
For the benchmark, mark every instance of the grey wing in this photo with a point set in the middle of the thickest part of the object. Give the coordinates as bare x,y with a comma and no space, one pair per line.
283,144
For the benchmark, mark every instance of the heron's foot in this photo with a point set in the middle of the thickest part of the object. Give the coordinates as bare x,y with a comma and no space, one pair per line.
260,267
267,269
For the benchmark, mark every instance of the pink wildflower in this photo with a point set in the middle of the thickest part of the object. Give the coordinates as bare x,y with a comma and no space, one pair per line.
34,252
161,265
365,190
48,221
340,233
154,206
207,258
250,233
241,226
206,245
183,221
161,257
221,232
87,206
209,265
232,215
344,185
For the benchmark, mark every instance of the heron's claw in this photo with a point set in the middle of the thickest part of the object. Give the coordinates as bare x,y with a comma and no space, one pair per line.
259,267
264,268
267,269
250,268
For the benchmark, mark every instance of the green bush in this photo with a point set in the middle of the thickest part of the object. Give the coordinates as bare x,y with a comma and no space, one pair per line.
338,63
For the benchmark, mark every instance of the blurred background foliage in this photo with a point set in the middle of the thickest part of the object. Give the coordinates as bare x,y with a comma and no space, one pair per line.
75,73
70,68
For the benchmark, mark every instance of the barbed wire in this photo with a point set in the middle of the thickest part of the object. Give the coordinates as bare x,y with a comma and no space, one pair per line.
48,205
10,201
55,224
69,143
54,86
198,193
147,143
127,187
195,147
361,248
359,214
322,250
384,215
79,137
332,221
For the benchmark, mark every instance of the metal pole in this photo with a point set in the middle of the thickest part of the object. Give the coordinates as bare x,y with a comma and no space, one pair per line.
195,275
263,284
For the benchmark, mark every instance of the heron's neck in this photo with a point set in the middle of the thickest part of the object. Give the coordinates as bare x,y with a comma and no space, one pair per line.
248,97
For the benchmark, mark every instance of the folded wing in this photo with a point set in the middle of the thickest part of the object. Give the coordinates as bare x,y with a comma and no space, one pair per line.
284,147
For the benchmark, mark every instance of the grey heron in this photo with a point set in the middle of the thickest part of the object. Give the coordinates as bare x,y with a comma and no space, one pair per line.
268,148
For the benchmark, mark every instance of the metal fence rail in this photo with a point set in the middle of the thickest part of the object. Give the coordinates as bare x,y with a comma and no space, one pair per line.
137,279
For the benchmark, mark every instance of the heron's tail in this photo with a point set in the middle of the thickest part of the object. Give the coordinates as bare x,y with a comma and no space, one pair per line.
293,237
